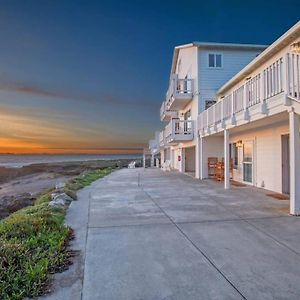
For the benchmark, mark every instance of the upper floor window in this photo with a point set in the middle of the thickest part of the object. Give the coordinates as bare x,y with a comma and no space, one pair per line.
215,60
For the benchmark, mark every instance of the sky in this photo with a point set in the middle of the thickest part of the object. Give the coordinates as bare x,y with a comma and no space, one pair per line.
90,76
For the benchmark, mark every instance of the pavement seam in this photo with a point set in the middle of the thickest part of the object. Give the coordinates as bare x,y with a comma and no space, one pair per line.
194,245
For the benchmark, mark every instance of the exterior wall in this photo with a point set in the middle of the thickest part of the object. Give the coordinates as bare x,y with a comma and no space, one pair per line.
211,79
267,160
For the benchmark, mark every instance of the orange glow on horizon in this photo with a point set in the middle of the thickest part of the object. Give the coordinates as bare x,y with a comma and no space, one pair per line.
30,134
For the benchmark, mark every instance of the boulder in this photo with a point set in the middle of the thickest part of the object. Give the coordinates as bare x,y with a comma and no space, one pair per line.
57,203
60,199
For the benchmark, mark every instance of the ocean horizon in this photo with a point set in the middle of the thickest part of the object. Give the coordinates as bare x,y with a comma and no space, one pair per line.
20,160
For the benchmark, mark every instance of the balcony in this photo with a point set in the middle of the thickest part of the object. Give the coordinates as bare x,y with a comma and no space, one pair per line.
162,141
179,94
263,94
165,114
179,131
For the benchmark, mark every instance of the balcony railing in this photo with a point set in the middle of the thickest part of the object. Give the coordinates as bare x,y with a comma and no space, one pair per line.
165,114
179,131
180,92
162,141
282,76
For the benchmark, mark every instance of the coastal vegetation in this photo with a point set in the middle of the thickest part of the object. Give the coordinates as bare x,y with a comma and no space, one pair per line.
34,242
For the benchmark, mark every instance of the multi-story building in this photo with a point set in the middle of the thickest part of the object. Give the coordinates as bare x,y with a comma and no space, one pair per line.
198,71
253,128
255,122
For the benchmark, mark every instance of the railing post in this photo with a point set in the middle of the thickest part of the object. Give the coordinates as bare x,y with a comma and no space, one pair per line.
246,113
286,79
263,104
222,113
226,160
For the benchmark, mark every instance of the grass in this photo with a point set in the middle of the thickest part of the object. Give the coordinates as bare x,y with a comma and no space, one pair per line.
34,243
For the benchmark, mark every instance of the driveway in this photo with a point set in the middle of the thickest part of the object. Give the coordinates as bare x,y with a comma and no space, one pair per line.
151,235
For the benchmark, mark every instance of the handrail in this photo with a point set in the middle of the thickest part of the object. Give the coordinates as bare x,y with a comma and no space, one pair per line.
177,127
282,75
178,86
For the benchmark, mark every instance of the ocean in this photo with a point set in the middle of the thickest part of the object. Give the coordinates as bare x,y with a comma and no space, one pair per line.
18,161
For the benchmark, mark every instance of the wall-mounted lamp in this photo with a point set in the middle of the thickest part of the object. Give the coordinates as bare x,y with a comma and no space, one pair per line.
239,143
295,47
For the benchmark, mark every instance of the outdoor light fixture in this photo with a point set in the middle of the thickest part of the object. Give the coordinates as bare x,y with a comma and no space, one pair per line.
295,47
239,143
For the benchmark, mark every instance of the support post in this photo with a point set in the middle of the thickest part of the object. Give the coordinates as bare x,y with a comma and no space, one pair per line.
294,163
172,159
152,160
197,158
144,160
201,159
226,160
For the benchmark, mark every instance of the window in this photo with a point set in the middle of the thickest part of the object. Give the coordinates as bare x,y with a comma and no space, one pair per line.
209,103
215,60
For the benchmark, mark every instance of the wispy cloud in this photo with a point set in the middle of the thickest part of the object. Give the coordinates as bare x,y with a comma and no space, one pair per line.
23,88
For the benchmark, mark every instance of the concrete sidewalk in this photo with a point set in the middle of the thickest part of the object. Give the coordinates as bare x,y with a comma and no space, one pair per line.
146,234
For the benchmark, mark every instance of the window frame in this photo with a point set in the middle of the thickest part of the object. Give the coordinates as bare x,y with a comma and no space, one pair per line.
215,60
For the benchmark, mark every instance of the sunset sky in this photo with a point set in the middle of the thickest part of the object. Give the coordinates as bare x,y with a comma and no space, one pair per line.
90,76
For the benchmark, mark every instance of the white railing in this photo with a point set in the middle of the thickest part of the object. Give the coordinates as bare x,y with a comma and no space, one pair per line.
178,87
179,129
283,75
162,108
162,138
293,75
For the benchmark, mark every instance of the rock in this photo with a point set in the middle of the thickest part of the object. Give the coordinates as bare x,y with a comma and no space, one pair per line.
64,197
57,203
60,199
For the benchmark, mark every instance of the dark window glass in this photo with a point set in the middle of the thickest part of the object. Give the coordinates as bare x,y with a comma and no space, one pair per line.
211,60
218,61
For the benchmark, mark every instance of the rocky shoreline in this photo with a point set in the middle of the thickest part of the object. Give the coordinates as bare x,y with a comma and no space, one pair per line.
19,187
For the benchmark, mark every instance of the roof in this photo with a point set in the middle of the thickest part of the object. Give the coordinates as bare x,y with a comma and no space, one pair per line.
213,45
279,44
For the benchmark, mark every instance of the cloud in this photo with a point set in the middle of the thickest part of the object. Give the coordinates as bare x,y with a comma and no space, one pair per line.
23,88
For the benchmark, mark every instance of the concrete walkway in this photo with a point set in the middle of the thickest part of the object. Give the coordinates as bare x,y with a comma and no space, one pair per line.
150,235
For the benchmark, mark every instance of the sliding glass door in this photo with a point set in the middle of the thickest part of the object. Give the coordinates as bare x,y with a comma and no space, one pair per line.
248,162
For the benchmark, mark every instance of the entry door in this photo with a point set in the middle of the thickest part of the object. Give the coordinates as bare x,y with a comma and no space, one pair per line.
285,153
248,162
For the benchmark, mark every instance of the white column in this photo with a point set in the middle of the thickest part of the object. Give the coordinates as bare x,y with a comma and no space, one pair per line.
172,158
162,156
152,160
201,158
226,160
294,164
144,161
197,158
